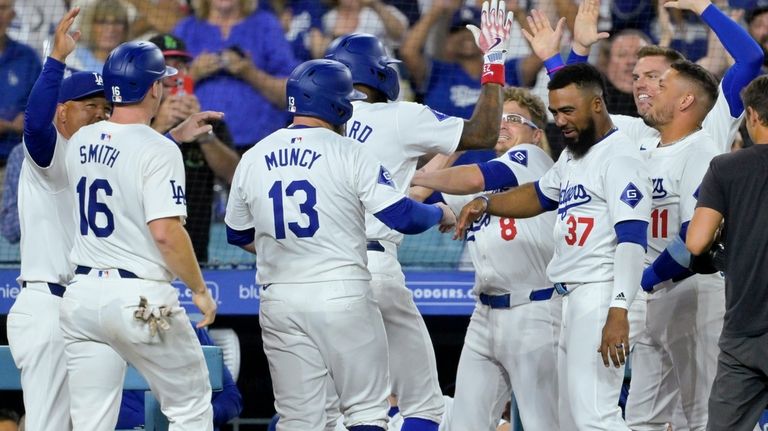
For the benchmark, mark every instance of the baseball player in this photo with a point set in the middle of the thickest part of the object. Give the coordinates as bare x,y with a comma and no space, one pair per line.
298,202
60,108
511,342
398,133
653,398
126,183
601,193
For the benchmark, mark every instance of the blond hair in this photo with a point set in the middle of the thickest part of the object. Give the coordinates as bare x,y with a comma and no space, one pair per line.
103,10
534,105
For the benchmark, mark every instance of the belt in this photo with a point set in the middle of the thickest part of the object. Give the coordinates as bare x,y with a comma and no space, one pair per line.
56,289
105,273
561,288
375,246
508,301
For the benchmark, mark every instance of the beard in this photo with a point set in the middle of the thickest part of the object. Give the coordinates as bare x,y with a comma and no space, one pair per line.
586,139
658,118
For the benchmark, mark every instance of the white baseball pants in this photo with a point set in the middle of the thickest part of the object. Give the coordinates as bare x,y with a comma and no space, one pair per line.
315,330
506,350
101,334
589,391
412,366
37,346
678,355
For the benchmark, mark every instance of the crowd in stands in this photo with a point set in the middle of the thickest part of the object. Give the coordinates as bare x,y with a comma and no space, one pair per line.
236,55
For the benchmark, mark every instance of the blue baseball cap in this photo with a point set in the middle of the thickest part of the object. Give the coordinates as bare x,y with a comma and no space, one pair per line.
80,85
463,16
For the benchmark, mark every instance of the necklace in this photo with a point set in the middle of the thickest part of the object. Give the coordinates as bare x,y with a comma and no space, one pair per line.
661,144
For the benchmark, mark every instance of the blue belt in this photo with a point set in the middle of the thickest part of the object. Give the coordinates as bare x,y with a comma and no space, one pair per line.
374,246
85,270
56,289
495,301
542,294
561,288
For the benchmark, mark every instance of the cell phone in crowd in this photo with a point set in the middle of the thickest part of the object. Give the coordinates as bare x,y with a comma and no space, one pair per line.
184,85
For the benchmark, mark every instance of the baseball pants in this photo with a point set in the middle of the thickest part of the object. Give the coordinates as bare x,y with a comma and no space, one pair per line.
676,360
315,330
412,366
506,350
37,346
101,334
589,391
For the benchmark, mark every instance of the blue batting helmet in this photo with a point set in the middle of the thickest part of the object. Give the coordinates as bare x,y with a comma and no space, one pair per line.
365,56
131,69
322,89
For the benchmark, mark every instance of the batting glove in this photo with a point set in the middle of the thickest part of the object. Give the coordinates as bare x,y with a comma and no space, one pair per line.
155,317
492,38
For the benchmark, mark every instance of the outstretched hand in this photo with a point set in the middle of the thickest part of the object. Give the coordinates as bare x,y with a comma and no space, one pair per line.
544,40
195,126
471,212
585,32
64,42
448,221
495,25
697,6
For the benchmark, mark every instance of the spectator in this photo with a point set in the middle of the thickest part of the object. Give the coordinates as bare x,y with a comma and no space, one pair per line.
156,16
104,26
205,159
19,67
374,17
757,25
452,85
302,24
732,197
241,61
36,21
9,420
9,212
622,57
227,403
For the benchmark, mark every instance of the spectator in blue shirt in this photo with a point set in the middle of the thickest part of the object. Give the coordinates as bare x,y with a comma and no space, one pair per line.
19,68
9,212
241,64
227,403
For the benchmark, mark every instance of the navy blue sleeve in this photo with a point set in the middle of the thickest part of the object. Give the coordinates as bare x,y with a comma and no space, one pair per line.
240,237
410,217
635,231
227,403
9,213
545,202
748,55
574,58
497,175
553,64
672,263
39,132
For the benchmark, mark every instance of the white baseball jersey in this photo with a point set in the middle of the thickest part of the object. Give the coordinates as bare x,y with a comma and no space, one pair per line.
512,254
46,218
121,177
397,134
305,191
722,128
676,172
606,186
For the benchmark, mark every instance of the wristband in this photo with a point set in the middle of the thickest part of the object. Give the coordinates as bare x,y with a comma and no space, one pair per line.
492,73
553,64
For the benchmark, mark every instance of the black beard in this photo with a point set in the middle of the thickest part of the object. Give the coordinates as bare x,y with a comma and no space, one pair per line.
581,145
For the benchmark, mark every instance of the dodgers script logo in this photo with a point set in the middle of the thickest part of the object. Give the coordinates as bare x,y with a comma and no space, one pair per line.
658,188
570,197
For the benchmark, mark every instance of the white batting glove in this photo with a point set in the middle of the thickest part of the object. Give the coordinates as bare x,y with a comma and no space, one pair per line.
493,35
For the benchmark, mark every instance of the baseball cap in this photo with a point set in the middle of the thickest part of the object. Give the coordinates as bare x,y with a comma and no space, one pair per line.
463,16
80,85
171,46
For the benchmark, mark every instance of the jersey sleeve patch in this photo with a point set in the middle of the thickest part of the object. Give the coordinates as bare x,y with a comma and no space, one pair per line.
439,115
385,178
519,156
631,195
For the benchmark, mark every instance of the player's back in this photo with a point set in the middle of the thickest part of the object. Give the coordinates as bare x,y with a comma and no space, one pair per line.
397,134
305,190
45,218
122,176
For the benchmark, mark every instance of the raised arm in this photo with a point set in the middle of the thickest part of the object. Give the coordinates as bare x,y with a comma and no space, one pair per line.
412,49
39,131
